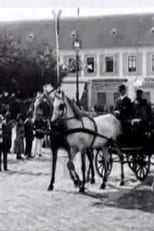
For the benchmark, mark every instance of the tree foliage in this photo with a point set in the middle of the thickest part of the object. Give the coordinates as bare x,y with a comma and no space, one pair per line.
24,70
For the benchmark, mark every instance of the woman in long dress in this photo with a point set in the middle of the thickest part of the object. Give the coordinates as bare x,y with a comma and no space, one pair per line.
19,140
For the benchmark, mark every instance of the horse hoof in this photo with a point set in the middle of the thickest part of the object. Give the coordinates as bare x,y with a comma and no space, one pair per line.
92,181
77,183
50,188
102,186
82,189
122,183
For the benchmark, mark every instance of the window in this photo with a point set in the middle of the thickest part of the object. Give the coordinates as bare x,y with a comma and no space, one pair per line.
90,65
152,64
132,63
71,65
109,64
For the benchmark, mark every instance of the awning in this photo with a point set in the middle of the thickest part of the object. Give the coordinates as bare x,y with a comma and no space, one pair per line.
70,89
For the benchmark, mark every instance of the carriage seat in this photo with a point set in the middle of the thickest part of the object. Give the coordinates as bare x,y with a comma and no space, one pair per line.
135,133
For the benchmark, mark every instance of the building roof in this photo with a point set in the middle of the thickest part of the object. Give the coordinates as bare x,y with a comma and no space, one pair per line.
95,32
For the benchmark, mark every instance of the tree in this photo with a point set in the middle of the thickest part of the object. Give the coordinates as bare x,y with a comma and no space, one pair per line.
24,70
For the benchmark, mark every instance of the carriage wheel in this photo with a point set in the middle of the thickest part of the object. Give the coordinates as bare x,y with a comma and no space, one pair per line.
100,163
131,160
142,166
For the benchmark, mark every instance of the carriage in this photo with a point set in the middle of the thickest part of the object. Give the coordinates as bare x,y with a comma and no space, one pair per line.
98,136
137,150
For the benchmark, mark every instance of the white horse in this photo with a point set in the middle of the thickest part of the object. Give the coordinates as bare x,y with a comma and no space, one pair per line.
84,132
57,138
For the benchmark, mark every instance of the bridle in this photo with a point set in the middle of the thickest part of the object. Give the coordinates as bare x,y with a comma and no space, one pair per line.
63,109
48,101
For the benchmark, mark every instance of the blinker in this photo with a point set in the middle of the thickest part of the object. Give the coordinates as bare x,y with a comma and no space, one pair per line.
62,106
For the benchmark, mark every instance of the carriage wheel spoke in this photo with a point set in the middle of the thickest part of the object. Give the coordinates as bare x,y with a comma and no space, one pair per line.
142,167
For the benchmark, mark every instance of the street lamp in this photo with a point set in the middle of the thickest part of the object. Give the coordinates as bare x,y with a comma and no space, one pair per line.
77,46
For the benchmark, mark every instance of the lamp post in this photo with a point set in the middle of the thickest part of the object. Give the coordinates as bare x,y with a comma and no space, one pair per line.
77,47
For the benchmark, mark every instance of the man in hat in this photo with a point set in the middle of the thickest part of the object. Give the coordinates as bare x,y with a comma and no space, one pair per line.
123,108
142,111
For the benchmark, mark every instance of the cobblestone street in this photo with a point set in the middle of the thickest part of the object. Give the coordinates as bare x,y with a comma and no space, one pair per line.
26,205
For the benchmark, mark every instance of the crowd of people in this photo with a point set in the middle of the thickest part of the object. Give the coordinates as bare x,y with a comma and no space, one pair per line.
27,133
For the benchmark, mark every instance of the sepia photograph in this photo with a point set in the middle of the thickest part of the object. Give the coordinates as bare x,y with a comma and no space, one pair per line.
77,115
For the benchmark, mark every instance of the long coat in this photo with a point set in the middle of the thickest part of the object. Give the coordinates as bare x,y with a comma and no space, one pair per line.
19,141
125,108
143,111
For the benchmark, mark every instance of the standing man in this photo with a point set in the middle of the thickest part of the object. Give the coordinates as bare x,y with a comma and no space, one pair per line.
142,111
7,134
1,144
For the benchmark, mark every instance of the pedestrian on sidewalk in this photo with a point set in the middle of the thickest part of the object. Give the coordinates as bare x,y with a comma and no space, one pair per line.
1,143
7,135
28,126
19,140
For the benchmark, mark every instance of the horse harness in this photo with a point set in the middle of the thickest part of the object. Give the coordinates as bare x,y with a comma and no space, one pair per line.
83,129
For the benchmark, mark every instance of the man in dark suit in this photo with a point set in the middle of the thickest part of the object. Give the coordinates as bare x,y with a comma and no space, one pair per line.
142,111
124,109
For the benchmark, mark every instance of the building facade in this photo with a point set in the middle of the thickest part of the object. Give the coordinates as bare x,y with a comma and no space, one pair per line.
115,49
105,69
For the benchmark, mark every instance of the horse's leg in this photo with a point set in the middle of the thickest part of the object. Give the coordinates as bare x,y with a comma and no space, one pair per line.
90,156
88,177
54,162
121,156
83,169
106,164
71,167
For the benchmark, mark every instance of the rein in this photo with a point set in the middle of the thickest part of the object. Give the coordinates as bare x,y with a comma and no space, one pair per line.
96,131
82,129
86,130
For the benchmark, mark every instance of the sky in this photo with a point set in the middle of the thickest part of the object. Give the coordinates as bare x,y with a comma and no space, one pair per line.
11,10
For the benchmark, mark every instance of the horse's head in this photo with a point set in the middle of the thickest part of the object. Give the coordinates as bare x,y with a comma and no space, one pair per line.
42,106
64,108
59,106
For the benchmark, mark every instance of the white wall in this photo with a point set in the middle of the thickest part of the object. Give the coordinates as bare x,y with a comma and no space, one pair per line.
141,51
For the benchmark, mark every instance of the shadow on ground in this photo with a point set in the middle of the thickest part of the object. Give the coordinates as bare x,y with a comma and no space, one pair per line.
140,197
25,172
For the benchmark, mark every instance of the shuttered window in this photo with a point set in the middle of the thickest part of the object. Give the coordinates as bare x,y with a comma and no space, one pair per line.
109,64
90,65
132,63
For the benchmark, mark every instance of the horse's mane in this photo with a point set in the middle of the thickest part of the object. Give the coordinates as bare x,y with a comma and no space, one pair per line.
77,112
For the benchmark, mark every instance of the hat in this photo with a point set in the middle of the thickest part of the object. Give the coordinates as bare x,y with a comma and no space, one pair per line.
139,91
122,87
